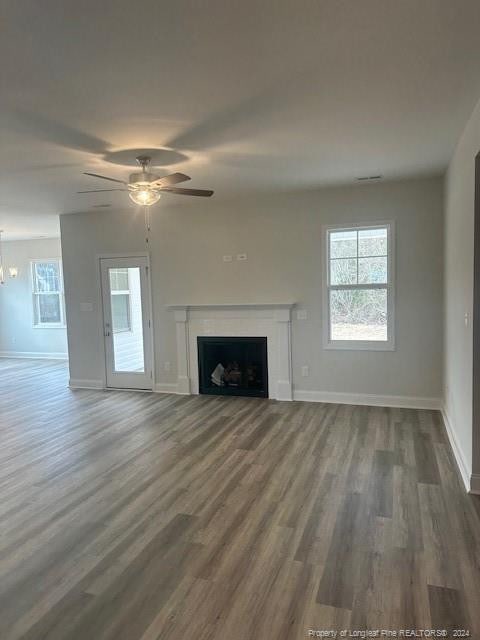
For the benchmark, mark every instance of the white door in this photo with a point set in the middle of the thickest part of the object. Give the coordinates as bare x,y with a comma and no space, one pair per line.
126,322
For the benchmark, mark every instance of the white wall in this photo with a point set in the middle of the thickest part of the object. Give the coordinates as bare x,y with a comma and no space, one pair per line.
282,235
459,237
17,334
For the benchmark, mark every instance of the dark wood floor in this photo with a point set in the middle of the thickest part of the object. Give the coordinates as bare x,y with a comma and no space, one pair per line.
143,517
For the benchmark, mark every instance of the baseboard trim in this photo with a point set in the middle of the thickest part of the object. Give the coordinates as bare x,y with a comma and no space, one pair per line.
401,402
34,355
166,387
76,383
475,483
333,397
462,464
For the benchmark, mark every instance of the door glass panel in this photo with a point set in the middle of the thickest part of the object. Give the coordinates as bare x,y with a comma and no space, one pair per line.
127,321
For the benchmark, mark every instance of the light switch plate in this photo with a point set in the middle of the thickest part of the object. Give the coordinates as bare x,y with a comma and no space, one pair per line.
241,256
301,314
227,258
86,306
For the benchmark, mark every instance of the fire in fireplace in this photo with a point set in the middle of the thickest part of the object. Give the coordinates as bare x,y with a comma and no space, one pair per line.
235,366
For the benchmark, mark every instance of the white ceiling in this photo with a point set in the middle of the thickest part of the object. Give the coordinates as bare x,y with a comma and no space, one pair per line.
247,95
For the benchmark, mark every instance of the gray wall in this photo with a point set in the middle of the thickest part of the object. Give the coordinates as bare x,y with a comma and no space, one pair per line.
459,236
17,335
282,235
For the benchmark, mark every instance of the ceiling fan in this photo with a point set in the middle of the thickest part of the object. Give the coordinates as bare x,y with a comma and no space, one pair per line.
145,188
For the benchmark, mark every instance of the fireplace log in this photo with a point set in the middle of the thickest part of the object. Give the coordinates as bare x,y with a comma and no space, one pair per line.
217,375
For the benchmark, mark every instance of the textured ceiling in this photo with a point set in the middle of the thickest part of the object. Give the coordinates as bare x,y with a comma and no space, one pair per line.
243,96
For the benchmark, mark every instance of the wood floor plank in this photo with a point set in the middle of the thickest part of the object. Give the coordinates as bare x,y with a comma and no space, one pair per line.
426,463
446,608
337,585
382,483
127,516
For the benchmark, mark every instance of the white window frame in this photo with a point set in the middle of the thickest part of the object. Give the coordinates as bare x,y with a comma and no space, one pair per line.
36,294
361,345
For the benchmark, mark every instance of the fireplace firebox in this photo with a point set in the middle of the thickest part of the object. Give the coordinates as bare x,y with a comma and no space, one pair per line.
235,366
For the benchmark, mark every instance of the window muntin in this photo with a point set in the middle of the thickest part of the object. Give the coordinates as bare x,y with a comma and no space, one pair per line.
359,297
47,291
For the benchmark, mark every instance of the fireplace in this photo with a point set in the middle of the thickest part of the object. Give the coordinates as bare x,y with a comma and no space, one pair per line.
272,320
235,366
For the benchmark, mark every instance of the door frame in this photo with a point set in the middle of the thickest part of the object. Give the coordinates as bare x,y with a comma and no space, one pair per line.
475,479
101,320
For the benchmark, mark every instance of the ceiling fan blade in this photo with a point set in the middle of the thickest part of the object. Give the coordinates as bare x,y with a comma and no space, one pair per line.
173,178
96,175
206,193
101,190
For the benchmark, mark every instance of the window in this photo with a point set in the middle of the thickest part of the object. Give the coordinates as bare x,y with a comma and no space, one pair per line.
120,290
359,300
47,289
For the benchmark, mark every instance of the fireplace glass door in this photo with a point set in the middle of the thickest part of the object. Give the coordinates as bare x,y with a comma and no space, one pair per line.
233,366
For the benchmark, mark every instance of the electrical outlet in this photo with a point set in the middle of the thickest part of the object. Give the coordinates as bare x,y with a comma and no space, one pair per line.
227,258
305,371
241,257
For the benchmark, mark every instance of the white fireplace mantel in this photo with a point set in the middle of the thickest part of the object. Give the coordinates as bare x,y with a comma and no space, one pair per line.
271,320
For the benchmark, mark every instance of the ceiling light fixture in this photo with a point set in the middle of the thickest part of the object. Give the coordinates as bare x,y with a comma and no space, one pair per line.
145,188
13,272
144,196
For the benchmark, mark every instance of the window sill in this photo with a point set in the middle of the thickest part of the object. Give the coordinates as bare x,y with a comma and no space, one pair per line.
355,345
49,326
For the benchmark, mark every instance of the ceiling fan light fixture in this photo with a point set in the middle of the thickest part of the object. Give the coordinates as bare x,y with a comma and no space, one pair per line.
145,188
144,197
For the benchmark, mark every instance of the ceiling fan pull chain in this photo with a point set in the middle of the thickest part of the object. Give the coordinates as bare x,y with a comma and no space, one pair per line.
147,222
